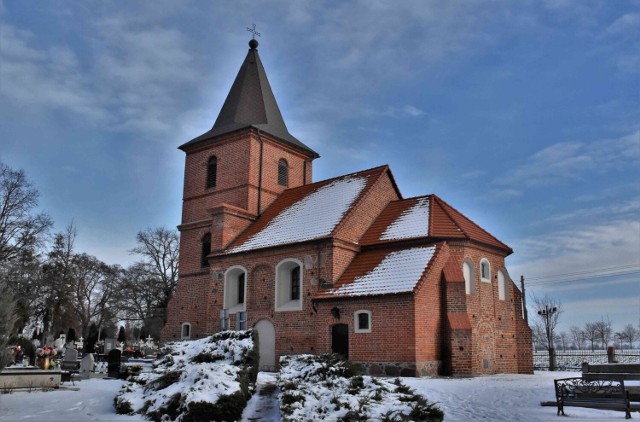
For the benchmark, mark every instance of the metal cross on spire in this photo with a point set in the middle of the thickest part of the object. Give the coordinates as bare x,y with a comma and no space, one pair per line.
253,31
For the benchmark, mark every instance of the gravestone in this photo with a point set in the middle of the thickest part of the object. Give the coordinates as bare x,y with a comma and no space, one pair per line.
113,363
70,355
86,366
70,360
110,344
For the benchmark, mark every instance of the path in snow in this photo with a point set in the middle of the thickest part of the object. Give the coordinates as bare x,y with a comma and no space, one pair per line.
263,406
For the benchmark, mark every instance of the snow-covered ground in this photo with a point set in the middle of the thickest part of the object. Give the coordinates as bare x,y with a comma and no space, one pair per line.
499,397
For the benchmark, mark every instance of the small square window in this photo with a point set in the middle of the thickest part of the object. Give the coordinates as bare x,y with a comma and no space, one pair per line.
362,322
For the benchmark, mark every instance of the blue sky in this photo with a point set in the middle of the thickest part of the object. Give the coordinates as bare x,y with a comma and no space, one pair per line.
523,115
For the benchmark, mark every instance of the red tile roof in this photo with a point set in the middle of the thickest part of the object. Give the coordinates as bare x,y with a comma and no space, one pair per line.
384,271
453,271
290,200
445,222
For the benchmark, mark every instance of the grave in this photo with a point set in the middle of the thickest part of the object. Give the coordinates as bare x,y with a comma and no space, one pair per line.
87,365
113,363
29,377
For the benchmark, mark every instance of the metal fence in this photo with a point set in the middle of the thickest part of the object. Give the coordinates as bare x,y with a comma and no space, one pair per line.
572,359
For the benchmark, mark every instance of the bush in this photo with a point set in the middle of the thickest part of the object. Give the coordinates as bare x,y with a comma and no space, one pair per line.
164,381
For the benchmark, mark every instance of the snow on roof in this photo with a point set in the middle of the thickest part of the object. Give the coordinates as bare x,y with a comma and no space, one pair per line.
413,222
314,216
398,272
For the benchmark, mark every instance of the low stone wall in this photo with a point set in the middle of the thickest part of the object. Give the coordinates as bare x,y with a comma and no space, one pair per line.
11,378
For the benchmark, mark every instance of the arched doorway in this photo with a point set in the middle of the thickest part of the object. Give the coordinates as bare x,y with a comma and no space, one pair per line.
340,340
267,344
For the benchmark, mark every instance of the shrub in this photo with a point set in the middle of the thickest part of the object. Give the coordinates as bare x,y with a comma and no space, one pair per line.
164,381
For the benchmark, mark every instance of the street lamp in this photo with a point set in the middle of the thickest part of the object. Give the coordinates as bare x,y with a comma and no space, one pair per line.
546,313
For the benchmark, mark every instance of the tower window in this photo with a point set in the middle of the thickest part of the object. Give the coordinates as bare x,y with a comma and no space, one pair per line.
283,172
206,250
212,169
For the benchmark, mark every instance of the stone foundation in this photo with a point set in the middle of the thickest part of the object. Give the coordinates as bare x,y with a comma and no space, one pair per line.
402,369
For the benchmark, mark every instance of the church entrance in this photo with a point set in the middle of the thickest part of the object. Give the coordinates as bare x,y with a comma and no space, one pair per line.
267,345
340,340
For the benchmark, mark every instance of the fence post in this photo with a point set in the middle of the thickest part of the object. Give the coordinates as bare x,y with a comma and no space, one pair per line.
552,359
611,354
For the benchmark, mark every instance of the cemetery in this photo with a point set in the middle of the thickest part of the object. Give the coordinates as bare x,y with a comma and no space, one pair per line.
66,362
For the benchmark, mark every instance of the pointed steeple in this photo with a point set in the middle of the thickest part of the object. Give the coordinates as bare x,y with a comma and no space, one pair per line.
251,103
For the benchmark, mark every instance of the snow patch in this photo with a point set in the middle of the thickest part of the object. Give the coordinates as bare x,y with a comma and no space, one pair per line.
327,388
195,371
398,272
312,217
413,222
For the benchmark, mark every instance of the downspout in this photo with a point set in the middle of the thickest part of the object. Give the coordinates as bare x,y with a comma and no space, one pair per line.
304,172
260,174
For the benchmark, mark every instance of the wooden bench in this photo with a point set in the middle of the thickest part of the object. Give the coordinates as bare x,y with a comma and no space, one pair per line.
611,371
593,394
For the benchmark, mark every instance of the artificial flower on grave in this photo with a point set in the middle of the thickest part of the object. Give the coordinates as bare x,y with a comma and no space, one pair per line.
46,352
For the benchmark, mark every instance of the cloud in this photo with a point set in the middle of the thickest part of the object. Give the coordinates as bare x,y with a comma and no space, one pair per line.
627,24
48,78
586,247
571,161
130,81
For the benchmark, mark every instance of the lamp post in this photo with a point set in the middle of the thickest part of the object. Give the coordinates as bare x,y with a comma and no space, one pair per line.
546,313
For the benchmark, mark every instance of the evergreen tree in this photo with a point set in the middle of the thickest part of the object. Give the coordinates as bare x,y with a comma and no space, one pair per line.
122,336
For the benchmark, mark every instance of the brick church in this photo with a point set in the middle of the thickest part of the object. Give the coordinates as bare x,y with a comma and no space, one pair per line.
406,286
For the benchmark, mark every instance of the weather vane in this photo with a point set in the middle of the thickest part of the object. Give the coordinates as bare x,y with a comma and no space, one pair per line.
253,31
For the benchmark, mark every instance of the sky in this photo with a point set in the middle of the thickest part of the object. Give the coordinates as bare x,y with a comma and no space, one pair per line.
523,115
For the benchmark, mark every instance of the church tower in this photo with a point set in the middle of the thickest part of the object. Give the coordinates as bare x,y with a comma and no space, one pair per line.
233,172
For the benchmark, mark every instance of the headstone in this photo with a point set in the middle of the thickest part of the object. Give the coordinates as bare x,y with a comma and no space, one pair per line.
70,355
109,344
86,366
113,363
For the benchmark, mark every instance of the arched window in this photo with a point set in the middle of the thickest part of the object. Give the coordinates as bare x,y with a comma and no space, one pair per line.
185,332
362,321
469,277
289,286
206,250
212,170
283,172
503,280
235,289
485,270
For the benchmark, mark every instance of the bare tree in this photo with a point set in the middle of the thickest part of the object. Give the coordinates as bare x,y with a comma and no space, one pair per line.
94,286
591,333
56,310
159,249
140,298
629,333
604,331
7,319
548,311
563,339
578,336
20,227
